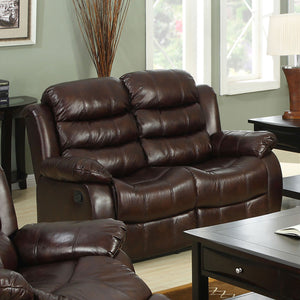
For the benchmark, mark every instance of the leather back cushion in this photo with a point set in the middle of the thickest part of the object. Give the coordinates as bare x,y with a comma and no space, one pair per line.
93,120
170,119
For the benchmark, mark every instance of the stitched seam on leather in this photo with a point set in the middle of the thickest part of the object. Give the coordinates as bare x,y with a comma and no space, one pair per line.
123,167
187,121
220,144
269,183
238,144
14,287
162,126
180,85
104,283
118,133
146,205
35,250
172,190
88,171
114,249
195,185
75,239
40,130
69,280
116,288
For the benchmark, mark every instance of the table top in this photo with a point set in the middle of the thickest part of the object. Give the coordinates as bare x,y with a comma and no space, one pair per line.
275,121
256,236
19,101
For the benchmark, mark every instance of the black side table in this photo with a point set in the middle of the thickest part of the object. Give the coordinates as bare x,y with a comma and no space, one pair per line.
288,136
8,112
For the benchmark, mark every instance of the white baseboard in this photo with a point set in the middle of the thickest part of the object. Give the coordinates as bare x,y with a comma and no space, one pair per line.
31,180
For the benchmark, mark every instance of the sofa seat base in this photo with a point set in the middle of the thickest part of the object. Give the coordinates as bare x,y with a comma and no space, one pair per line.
91,277
155,193
159,237
229,180
230,213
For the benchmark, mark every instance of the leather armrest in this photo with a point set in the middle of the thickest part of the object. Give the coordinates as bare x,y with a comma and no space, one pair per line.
49,242
240,143
75,169
14,286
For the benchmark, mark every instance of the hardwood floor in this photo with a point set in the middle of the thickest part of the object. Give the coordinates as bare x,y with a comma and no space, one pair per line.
160,273
25,205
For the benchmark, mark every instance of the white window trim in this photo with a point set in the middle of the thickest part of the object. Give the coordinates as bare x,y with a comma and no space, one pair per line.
149,34
240,86
191,63
291,9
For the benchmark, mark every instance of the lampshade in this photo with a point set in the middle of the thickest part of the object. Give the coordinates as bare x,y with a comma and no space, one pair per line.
284,35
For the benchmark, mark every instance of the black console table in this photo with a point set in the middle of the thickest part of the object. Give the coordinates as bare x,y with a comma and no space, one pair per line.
8,113
288,135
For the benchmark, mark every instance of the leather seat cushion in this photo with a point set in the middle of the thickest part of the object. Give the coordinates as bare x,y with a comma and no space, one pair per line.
228,180
154,193
91,277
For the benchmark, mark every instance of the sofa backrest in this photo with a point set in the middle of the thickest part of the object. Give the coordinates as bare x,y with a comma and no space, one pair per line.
92,120
170,118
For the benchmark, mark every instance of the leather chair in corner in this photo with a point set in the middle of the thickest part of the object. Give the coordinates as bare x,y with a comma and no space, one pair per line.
65,260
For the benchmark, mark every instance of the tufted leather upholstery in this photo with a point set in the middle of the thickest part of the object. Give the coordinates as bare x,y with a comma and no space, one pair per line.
171,122
65,260
96,125
147,149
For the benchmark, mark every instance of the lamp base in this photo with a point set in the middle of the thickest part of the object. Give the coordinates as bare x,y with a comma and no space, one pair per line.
291,115
292,75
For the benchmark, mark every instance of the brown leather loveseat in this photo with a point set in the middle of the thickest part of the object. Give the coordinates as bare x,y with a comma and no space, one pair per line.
65,260
147,149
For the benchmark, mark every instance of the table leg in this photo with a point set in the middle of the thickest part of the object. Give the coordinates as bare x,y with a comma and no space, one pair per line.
200,283
20,152
6,133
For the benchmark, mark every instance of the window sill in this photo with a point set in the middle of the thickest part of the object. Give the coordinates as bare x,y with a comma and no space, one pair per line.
249,86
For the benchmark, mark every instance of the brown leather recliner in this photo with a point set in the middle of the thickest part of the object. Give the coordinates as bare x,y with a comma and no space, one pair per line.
147,149
64,260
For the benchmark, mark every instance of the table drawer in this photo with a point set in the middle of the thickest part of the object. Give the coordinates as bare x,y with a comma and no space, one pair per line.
243,270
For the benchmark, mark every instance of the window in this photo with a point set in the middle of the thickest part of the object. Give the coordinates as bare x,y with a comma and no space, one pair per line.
294,7
179,36
244,64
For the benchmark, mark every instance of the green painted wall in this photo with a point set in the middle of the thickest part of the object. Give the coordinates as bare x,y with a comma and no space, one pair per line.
60,55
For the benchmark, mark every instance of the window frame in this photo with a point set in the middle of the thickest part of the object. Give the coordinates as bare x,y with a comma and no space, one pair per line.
198,66
257,82
291,9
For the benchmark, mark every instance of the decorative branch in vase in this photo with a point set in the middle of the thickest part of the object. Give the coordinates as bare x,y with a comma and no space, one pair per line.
101,23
